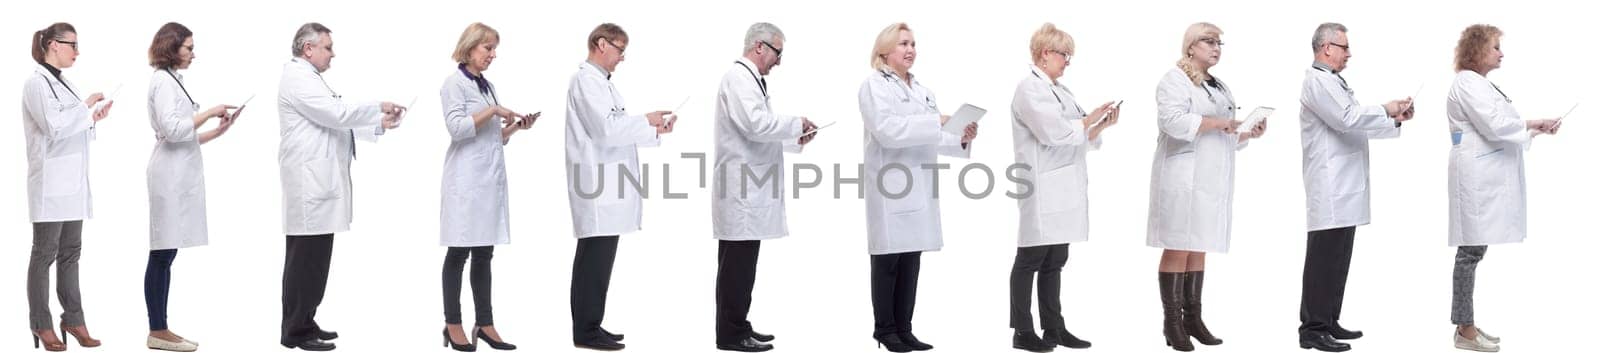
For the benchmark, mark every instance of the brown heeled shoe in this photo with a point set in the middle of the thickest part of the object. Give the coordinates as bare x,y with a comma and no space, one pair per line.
52,344
80,333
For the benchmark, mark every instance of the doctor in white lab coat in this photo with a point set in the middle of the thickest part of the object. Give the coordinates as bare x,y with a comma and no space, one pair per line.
318,131
176,174
474,212
1334,129
1053,136
1191,180
1488,192
58,126
747,209
903,132
603,142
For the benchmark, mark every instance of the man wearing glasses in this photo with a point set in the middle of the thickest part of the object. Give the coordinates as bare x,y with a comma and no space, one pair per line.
1334,129
602,139
748,206
318,132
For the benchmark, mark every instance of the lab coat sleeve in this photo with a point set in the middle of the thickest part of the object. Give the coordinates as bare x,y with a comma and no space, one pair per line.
1174,114
1038,110
750,114
457,120
607,127
1337,109
1479,102
170,125
60,120
1383,133
319,106
893,130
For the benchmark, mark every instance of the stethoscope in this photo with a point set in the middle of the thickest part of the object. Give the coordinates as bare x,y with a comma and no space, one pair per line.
63,84
906,89
1058,96
186,90
759,81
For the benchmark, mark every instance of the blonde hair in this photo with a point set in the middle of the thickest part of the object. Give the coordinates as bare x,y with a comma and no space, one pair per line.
1050,38
1475,41
1196,32
886,42
476,34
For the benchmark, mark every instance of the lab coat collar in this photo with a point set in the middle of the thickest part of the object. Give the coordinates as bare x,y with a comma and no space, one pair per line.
307,63
1039,72
1324,67
888,72
597,67
751,65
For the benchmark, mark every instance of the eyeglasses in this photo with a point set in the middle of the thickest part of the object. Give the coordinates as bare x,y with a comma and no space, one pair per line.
620,49
1065,55
1212,41
74,45
775,50
1346,47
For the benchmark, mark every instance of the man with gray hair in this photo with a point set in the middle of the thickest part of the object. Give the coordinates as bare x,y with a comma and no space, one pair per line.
1334,129
748,205
318,132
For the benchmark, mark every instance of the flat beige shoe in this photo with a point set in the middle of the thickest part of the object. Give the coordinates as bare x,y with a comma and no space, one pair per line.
164,345
1494,339
1480,344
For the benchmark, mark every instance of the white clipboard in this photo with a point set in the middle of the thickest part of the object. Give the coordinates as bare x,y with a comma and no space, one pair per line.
966,115
1257,116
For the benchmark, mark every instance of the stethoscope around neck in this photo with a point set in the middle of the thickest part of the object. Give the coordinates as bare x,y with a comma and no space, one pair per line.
184,89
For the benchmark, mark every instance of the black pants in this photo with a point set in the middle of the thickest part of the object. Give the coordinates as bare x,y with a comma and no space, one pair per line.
1322,284
305,278
1047,260
157,283
455,260
736,278
591,278
894,292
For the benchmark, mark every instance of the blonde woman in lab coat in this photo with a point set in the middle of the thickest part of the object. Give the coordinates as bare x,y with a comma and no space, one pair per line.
1488,194
176,174
474,212
58,125
1052,135
1191,180
903,132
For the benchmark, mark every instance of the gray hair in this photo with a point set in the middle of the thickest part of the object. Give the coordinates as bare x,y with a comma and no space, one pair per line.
1325,34
761,32
309,33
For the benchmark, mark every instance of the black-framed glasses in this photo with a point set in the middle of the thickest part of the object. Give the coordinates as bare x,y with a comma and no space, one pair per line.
1212,41
1346,47
775,50
620,50
74,45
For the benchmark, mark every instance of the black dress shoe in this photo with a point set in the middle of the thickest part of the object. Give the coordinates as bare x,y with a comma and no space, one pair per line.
1341,333
1026,340
747,345
613,336
313,345
1065,339
600,344
478,332
916,344
762,337
1323,342
463,347
326,335
892,343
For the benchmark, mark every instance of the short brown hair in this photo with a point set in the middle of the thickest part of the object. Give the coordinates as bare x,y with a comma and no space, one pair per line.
164,48
476,34
42,38
1475,41
608,31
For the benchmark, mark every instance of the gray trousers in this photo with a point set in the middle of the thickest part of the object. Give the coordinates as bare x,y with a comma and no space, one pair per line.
1465,278
58,243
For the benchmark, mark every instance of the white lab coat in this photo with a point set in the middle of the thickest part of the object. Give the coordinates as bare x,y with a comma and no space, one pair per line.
474,209
1191,179
1334,129
175,177
749,135
1488,194
317,130
901,124
601,133
1047,131
58,128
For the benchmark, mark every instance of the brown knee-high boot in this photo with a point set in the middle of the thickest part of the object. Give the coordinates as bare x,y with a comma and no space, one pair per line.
1172,289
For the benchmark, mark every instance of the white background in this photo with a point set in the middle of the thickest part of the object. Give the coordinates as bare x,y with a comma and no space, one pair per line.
812,291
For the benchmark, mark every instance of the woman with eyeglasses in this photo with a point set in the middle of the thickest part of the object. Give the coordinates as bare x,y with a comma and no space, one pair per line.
59,123
1191,181
904,130
1488,192
176,174
1052,135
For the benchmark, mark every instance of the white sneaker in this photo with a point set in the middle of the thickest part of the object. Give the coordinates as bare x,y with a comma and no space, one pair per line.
1487,336
164,345
1480,344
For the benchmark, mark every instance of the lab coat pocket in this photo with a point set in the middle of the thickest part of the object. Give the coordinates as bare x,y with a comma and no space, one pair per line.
1056,190
896,182
63,175
317,180
752,193
1486,177
1350,172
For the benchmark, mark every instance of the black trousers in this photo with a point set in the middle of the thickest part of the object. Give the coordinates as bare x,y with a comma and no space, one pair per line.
894,292
157,286
305,278
591,279
1322,284
1047,260
455,261
736,278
